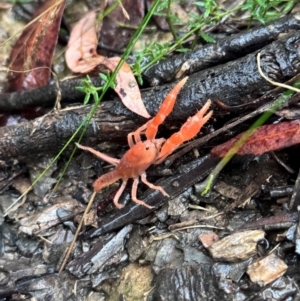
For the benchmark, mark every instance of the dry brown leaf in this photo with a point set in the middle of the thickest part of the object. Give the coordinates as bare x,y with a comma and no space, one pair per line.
127,87
81,57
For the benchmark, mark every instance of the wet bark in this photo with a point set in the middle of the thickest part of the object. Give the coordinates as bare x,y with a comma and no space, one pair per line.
235,83
222,51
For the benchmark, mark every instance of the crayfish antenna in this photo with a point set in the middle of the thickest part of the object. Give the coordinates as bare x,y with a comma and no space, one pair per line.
100,155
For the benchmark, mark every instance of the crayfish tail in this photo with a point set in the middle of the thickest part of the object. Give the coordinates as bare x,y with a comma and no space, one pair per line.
106,180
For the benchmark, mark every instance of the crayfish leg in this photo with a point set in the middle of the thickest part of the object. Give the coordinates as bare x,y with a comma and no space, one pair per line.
188,131
136,135
118,194
152,186
165,109
134,192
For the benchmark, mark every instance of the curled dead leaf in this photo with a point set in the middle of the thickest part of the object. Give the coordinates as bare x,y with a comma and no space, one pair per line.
82,57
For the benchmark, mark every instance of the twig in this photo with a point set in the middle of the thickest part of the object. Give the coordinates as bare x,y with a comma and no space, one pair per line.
77,232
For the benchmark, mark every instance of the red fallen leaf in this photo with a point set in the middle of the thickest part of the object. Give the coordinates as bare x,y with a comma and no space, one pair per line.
81,57
265,139
35,48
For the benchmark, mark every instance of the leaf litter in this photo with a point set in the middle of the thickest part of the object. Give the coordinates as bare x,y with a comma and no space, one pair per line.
82,57
166,255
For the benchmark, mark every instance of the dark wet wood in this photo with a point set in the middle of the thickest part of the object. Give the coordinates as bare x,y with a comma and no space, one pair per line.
224,50
235,83
48,134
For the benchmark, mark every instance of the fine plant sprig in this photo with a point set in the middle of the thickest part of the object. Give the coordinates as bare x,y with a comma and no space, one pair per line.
98,98
261,10
167,48
148,54
90,90
267,10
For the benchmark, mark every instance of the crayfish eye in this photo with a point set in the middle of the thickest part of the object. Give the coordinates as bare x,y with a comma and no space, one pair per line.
147,147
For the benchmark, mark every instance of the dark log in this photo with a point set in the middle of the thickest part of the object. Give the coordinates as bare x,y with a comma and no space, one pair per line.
225,50
48,134
234,83
45,96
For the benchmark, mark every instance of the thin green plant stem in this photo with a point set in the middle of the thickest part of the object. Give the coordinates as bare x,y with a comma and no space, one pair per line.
206,185
85,124
197,34
133,41
187,35
97,101
108,10
126,53
46,169
170,23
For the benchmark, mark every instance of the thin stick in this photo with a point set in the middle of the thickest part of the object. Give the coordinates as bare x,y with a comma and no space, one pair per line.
77,232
